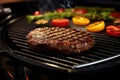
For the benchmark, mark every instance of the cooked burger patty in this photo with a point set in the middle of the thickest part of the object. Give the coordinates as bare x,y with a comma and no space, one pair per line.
62,40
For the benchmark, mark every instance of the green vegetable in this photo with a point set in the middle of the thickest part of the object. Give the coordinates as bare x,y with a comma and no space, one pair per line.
93,13
31,18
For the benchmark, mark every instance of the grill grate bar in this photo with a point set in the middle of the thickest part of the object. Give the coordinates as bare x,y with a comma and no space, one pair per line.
17,31
77,60
74,60
22,46
111,45
17,35
18,40
41,59
94,56
105,46
106,39
102,35
103,55
59,59
108,50
88,58
39,62
106,53
19,28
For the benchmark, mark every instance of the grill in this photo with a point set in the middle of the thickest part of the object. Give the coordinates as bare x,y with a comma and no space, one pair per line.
13,39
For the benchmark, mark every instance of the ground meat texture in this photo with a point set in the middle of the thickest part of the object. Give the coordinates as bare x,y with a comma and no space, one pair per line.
61,40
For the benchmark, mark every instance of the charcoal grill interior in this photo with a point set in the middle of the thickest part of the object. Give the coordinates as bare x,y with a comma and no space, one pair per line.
14,36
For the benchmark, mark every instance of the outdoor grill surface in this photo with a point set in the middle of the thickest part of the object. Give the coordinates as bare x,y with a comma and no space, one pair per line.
106,48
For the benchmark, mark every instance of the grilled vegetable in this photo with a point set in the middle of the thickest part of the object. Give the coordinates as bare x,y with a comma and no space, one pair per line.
60,22
59,10
37,13
115,14
96,26
113,30
79,11
117,21
41,23
81,21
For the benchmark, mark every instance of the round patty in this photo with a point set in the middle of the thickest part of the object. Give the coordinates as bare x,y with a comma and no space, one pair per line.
62,40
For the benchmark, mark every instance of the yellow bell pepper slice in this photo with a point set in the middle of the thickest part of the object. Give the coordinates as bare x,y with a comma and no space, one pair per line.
96,26
80,21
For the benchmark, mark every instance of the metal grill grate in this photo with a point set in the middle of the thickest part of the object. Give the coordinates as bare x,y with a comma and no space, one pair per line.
105,48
